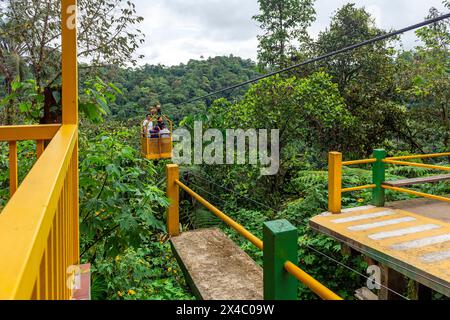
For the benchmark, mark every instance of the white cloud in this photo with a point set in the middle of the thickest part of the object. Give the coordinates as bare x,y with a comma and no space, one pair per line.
179,30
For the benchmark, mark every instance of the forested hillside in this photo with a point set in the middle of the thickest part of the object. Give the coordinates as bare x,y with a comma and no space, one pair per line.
144,86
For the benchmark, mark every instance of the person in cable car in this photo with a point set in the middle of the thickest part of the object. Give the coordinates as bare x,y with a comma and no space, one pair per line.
153,132
146,125
156,142
165,132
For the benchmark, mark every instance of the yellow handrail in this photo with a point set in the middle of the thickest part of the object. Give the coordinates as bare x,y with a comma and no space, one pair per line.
355,162
369,186
39,225
233,224
33,132
421,156
413,164
13,134
310,282
417,193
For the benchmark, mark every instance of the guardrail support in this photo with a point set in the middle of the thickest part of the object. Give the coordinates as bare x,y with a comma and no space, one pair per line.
280,246
379,177
173,193
13,168
335,182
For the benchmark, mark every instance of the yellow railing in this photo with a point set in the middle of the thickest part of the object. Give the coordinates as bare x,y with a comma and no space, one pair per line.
421,156
417,193
173,225
335,189
335,165
39,225
414,164
14,134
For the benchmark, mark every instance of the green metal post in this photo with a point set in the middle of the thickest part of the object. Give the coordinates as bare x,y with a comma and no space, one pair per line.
379,176
280,246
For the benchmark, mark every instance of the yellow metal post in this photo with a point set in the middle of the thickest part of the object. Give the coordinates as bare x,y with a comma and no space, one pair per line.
335,182
13,177
70,106
173,193
75,205
40,147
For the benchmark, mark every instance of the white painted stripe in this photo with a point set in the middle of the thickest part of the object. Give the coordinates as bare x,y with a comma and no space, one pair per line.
420,243
436,257
364,216
380,224
349,210
402,232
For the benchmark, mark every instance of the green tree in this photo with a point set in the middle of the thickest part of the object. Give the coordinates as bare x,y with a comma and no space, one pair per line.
365,77
304,138
12,67
284,24
431,81
108,34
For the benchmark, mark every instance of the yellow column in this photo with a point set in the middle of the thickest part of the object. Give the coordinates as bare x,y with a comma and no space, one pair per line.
335,182
70,113
173,193
13,177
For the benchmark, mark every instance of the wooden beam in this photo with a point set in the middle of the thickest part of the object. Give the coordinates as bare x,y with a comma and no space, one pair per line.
422,292
393,280
23,133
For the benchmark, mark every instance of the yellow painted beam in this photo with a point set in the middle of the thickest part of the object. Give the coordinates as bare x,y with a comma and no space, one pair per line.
419,165
69,62
40,147
421,156
310,282
355,162
369,186
13,168
173,193
417,193
27,219
335,182
23,133
74,184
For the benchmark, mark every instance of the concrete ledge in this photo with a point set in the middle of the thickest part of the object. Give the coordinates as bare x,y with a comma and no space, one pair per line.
429,208
216,268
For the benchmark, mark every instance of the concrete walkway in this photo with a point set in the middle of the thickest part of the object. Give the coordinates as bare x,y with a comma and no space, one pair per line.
216,268
425,207
415,245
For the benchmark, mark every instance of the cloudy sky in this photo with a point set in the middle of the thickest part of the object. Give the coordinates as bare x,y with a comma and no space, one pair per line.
179,30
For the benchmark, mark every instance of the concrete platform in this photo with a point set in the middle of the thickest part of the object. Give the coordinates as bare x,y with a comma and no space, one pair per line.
425,207
412,244
216,268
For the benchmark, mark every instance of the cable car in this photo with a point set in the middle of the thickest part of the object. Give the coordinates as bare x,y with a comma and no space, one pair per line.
157,146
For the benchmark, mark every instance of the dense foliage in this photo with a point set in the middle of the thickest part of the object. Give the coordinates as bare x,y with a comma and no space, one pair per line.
145,86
